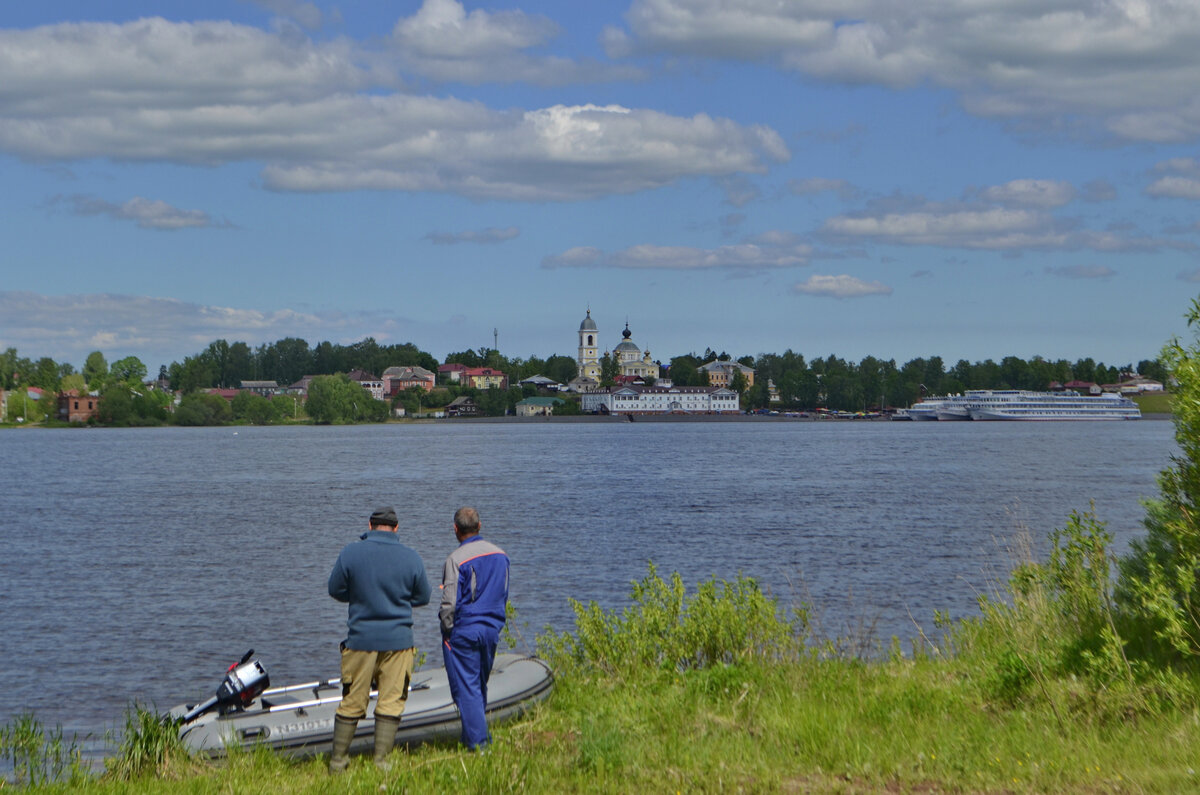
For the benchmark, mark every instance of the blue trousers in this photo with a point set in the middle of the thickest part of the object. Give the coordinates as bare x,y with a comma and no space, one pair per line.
468,654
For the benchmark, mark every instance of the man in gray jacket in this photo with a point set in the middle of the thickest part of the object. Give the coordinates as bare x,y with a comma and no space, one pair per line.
382,580
472,613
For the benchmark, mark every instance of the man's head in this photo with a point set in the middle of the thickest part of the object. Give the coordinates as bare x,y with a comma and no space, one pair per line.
384,519
466,522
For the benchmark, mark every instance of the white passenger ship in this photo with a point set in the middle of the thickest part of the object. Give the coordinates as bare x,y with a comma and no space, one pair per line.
926,409
1017,404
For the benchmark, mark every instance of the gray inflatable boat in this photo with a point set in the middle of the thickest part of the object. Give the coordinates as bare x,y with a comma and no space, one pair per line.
298,720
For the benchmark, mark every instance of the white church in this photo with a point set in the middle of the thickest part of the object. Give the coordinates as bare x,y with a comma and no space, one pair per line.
662,398
630,358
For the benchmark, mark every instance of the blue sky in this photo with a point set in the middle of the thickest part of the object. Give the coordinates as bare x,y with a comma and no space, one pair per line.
862,177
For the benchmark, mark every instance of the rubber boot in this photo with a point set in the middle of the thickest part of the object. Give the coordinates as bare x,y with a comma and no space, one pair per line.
343,735
385,738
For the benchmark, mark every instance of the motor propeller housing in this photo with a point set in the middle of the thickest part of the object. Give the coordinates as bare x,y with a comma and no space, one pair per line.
244,681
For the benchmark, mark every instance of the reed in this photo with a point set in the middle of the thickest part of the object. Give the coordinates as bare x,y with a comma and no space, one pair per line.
38,756
149,745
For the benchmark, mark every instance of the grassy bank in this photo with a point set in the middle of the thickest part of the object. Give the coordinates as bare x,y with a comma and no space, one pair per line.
827,728
718,690
1154,403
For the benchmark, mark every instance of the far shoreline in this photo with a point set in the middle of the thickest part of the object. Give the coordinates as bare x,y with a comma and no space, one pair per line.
575,418
699,418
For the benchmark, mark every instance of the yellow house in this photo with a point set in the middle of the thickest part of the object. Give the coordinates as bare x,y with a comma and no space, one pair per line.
722,373
485,378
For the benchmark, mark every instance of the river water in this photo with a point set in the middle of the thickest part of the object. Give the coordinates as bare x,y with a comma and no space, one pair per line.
137,564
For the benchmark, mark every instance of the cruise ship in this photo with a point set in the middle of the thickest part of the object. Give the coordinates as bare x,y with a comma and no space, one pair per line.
957,407
926,409
1018,404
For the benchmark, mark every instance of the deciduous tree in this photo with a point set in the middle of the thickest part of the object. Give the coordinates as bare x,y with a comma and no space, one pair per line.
129,370
1160,578
95,369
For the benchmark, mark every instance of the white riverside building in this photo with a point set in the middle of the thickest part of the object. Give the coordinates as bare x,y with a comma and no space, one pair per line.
661,400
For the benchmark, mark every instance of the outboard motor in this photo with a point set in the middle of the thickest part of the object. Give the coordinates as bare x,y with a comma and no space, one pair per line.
244,681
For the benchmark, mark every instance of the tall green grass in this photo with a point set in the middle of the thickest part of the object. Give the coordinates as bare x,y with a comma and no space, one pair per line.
149,745
38,755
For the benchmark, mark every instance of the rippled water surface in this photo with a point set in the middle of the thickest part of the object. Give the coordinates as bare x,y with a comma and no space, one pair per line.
138,563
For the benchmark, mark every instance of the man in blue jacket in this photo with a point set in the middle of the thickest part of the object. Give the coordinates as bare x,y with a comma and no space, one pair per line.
382,580
474,596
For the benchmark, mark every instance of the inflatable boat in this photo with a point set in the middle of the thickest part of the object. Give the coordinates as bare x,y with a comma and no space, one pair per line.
298,720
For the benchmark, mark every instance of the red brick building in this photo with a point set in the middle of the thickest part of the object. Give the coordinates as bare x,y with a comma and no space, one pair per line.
74,407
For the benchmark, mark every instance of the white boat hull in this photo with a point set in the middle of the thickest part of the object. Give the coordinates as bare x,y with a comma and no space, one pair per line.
298,720
1017,404
1002,414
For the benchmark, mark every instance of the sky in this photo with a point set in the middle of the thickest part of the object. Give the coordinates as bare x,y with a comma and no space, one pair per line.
968,179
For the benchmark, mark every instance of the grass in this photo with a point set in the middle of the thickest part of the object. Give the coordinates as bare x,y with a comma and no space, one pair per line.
1154,403
37,755
806,726
717,690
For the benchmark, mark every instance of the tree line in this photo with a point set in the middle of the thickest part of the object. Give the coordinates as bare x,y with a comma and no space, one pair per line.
836,383
830,382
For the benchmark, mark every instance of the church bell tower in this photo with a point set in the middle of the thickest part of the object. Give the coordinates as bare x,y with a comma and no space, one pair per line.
589,348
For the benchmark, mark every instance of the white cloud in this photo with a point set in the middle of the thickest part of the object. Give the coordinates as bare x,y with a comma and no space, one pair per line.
843,286
303,13
1016,220
160,330
96,70
327,117
1082,271
1129,65
1176,187
444,42
444,28
740,257
1030,193
722,29
557,153
483,236
146,213
1181,180
954,226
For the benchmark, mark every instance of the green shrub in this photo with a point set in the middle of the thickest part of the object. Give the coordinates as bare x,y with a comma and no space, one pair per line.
203,408
1159,587
1054,634
723,622
254,408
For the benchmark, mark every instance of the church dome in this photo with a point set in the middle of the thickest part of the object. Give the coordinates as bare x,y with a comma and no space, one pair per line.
588,324
627,344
